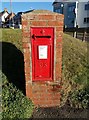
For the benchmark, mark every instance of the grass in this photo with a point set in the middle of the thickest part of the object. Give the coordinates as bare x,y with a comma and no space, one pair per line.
75,60
12,36
74,67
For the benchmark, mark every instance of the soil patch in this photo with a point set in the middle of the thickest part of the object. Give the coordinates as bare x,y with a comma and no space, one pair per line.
60,112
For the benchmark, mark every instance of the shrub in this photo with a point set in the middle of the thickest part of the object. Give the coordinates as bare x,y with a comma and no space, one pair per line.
14,104
79,98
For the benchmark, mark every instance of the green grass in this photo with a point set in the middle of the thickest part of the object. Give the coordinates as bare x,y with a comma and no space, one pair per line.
12,36
75,63
74,70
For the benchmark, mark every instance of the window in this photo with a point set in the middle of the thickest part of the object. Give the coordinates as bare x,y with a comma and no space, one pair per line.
87,7
71,8
57,10
86,20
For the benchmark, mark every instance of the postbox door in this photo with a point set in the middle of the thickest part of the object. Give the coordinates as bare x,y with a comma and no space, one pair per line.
42,53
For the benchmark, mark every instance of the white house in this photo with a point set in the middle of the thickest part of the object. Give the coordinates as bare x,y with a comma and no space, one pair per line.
83,14
76,13
3,16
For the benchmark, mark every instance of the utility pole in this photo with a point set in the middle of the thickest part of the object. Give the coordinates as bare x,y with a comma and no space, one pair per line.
11,14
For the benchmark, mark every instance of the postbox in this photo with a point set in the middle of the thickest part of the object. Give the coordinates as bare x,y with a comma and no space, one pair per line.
42,48
42,42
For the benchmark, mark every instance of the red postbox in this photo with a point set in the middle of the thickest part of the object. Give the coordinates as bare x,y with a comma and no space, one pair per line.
42,41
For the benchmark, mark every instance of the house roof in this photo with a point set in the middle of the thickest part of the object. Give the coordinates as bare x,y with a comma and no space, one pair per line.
28,11
10,15
54,3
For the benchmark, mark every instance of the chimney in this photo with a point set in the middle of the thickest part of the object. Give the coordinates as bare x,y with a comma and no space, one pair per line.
5,9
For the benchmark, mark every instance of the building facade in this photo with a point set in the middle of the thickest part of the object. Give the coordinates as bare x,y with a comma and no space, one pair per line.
3,16
11,19
6,18
75,13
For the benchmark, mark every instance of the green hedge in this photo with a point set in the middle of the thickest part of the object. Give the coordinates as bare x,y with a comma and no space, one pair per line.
15,105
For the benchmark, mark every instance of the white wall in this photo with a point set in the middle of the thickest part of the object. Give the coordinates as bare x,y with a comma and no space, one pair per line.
82,13
4,16
0,22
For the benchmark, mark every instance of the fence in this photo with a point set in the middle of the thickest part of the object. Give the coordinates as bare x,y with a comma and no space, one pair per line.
80,33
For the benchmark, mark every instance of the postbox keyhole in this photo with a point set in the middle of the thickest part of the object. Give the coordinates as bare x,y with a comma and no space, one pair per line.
42,31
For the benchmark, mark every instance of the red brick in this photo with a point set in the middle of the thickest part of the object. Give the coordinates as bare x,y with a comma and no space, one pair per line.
27,59
59,34
26,34
59,28
26,50
56,103
42,98
60,17
46,17
50,95
35,86
39,23
26,45
27,69
59,39
25,28
25,39
48,102
54,23
24,23
38,102
56,97
29,90
32,17
36,98
27,77
26,64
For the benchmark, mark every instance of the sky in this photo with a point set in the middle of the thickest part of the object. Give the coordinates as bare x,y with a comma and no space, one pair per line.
25,6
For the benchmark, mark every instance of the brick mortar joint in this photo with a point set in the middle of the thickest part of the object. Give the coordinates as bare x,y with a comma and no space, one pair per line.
48,13
55,20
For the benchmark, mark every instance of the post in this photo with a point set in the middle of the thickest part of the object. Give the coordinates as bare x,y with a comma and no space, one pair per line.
75,21
84,35
12,14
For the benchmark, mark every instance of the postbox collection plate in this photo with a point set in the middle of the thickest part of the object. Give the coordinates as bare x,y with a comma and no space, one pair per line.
42,42
43,51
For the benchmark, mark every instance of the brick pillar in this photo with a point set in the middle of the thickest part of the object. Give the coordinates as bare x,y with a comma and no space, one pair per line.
43,93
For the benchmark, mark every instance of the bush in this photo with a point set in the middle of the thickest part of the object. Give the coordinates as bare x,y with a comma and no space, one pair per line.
79,98
14,104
